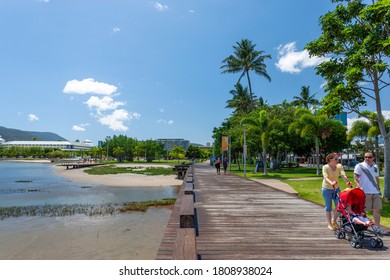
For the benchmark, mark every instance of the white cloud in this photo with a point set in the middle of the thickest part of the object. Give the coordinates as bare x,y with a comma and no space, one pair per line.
386,114
105,109
32,117
103,104
44,1
116,29
161,110
293,61
80,127
89,85
170,122
160,7
115,121
350,121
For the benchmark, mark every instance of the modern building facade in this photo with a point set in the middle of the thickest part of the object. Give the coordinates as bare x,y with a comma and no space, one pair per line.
169,143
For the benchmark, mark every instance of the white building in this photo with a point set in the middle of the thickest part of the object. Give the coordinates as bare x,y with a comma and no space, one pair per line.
62,145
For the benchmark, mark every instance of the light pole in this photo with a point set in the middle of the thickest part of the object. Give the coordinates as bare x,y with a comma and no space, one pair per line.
230,154
108,138
244,151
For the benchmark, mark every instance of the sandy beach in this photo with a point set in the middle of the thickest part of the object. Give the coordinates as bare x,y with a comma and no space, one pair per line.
120,180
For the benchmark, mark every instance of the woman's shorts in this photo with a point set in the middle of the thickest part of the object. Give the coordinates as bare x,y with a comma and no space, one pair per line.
373,201
330,195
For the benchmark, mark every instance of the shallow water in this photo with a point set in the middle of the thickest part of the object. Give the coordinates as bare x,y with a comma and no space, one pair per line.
24,184
133,235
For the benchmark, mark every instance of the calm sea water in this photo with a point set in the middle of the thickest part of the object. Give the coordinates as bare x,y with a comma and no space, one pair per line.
27,184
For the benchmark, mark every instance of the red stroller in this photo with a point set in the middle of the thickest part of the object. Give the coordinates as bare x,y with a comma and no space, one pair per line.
350,230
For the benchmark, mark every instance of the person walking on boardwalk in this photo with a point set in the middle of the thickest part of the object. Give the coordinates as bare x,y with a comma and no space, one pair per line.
225,164
330,187
367,178
218,165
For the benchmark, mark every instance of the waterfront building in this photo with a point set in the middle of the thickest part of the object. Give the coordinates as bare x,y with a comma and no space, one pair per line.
169,143
62,145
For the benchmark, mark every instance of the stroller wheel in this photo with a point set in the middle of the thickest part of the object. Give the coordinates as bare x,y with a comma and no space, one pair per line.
340,235
379,243
373,242
356,243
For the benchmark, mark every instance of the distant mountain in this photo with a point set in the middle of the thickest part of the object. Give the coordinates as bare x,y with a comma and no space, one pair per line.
10,134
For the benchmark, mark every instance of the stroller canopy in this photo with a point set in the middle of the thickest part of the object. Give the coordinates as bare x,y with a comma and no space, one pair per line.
355,197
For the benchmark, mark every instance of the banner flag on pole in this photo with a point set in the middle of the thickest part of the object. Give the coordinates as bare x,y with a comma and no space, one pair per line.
225,143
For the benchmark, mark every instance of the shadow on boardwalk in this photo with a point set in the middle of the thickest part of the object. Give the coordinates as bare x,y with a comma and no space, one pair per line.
238,218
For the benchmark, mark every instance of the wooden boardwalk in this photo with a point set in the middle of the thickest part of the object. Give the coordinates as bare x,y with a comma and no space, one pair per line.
238,218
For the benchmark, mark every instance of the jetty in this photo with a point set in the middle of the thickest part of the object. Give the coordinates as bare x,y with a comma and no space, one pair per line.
228,217
78,164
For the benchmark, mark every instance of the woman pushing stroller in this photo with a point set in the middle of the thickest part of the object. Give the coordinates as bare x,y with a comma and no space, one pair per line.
330,187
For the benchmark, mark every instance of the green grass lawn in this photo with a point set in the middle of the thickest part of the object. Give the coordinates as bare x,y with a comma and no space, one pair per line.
309,189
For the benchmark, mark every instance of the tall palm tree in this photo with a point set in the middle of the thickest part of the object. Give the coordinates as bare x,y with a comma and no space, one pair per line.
305,99
241,100
262,126
246,59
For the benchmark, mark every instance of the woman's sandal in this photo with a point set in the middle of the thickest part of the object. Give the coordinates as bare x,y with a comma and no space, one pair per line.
331,228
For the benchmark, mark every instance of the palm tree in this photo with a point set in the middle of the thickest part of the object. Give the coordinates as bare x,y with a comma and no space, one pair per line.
307,124
261,124
305,99
368,130
241,100
118,152
246,59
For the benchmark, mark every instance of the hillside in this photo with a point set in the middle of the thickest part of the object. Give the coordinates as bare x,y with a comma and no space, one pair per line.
10,134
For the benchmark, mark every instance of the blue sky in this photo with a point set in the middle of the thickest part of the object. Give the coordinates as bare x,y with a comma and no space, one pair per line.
87,69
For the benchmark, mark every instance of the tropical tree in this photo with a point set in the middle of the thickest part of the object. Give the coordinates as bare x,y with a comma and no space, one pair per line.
244,60
118,152
177,152
97,152
281,141
241,100
319,127
368,130
260,124
355,38
153,150
139,150
305,99
193,152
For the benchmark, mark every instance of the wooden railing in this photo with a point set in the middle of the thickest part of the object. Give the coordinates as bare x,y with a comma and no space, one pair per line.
185,241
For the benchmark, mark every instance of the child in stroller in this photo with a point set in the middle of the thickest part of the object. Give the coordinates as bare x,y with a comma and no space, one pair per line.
360,219
352,221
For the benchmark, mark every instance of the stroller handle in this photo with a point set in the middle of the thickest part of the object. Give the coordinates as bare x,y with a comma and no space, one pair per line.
335,185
